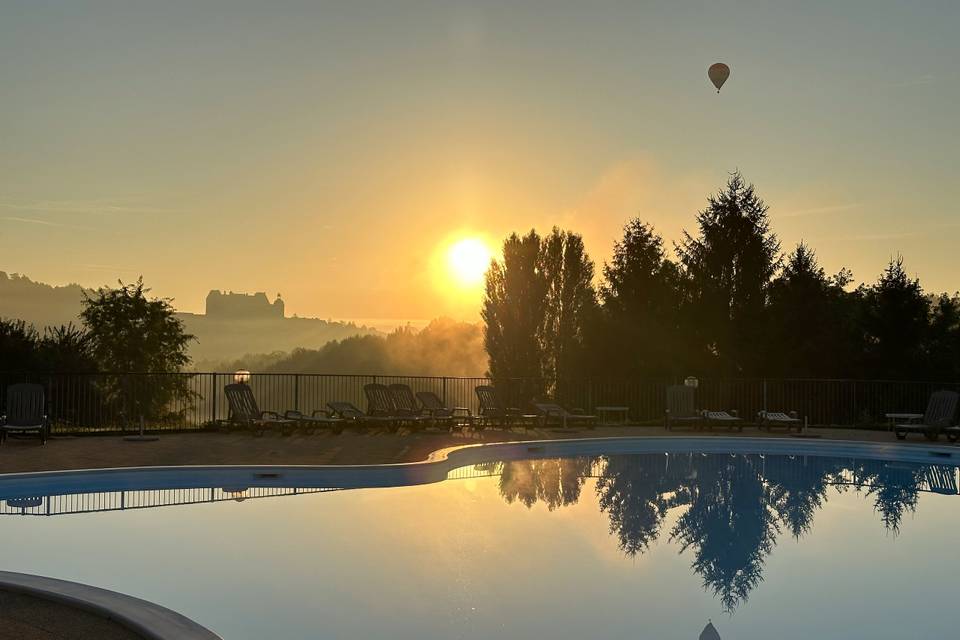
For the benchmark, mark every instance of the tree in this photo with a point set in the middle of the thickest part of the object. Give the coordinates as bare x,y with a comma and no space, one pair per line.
18,346
811,320
62,349
130,333
570,300
943,343
535,310
895,321
66,349
639,331
728,266
513,313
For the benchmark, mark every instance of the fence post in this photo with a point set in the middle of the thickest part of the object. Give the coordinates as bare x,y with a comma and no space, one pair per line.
444,392
213,394
765,395
296,392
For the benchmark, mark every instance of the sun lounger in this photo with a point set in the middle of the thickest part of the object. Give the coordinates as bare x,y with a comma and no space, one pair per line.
435,407
244,412
406,405
721,419
493,410
319,419
941,415
552,412
770,419
381,403
25,412
351,414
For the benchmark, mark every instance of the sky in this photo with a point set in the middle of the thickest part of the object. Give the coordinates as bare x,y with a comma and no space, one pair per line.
333,152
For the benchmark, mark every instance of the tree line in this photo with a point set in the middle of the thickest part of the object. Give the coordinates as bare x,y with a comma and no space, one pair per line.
728,303
121,330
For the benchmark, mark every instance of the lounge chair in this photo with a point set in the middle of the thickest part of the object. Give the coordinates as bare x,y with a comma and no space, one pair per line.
382,404
493,409
770,419
437,409
25,412
721,419
407,406
553,412
319,419
940,416
244,412
349,413
681,407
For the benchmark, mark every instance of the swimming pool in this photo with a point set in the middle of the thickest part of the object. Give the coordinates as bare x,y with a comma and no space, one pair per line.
602,539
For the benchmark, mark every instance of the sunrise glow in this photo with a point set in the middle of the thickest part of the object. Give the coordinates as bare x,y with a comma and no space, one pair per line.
467,261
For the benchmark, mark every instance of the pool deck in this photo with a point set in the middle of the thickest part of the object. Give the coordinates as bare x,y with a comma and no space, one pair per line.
100,452
26,617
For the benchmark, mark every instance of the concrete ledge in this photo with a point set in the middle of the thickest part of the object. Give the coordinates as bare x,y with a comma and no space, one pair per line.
436,467
144,618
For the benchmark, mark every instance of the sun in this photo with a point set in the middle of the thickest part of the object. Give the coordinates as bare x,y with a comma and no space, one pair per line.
467,260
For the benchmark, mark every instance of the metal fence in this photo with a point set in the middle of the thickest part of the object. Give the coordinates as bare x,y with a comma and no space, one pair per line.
86,403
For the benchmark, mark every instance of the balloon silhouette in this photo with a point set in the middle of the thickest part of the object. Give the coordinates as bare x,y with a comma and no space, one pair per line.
718,74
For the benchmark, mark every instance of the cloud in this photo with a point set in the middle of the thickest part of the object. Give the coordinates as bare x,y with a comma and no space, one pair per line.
813,211
107,267
925,79
894,235
45,223
636,187
96,206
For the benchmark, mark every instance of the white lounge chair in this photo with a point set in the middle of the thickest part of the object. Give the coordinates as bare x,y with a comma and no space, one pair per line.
770,419
722,419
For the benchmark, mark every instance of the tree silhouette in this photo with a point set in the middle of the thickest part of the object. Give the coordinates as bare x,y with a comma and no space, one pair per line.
729,264
131,333
640,328
537,301
570,301
812,320
942,357
896,317
513,312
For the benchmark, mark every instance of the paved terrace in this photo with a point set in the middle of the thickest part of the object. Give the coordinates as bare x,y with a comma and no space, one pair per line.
90,452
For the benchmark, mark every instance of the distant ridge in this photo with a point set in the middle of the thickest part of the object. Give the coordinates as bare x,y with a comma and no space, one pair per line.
235,323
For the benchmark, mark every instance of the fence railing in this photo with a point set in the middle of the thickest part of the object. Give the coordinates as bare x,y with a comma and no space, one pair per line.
115,402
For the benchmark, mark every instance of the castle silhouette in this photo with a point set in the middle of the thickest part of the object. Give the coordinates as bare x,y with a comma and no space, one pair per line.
243,306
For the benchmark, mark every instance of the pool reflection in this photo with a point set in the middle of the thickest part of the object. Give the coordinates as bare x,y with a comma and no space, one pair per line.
723,512
734,506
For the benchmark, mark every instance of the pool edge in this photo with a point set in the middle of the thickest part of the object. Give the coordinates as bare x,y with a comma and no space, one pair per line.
147,619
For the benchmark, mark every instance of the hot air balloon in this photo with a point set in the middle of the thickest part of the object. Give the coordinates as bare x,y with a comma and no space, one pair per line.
718,73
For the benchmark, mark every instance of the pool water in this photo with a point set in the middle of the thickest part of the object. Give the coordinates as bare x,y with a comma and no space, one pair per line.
621,546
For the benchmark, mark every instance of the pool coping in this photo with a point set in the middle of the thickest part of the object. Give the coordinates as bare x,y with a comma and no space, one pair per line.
145,618
437,465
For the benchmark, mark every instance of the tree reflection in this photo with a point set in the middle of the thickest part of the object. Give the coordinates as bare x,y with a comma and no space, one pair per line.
729,526
895,488
556,482
797,488
633,492
732,507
